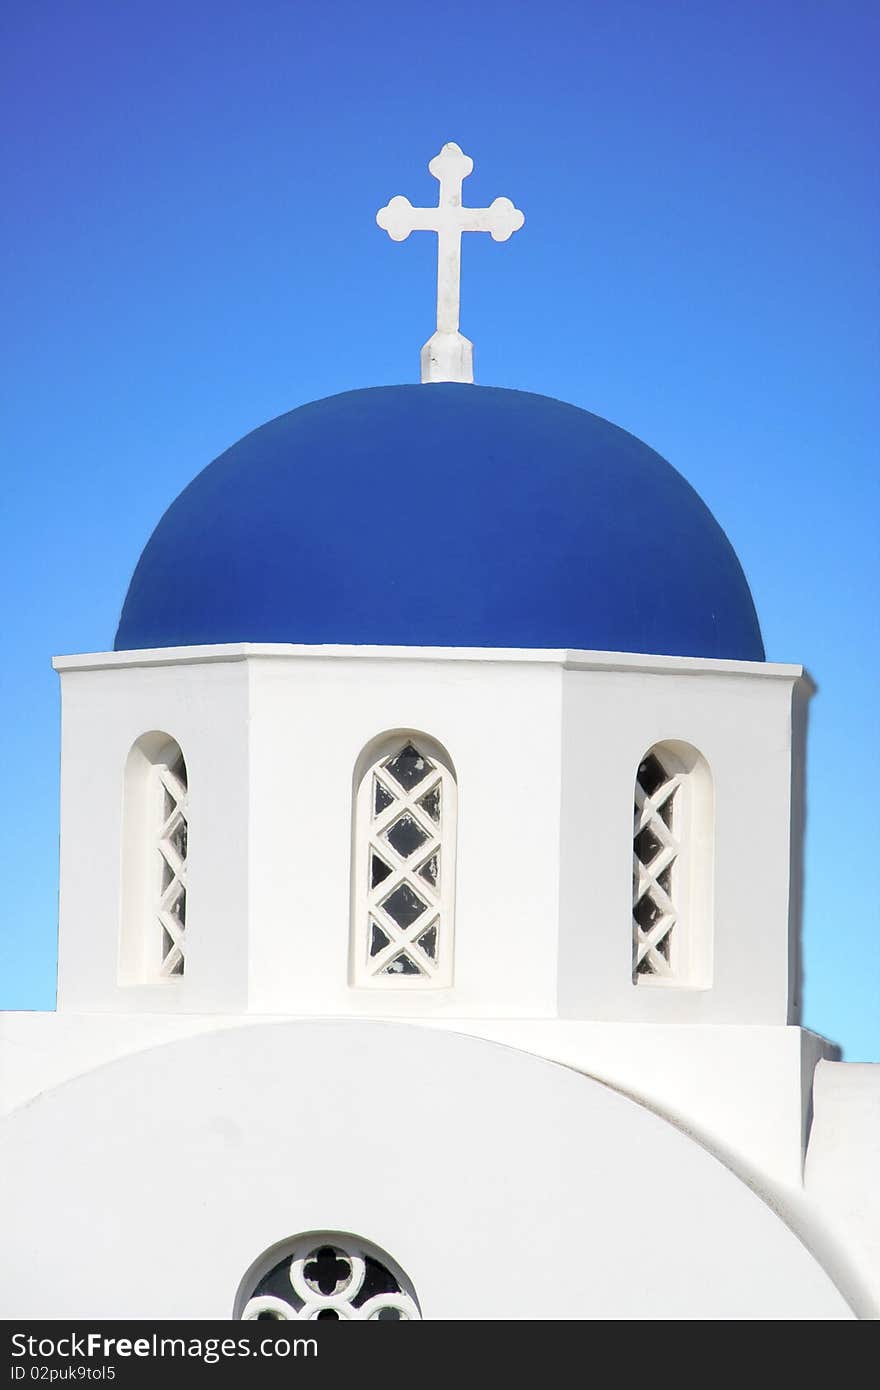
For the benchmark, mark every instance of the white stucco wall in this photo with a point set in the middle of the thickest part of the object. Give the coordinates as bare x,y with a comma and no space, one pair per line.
843,1161
744,1093
310,720
740,720
545,747
506,1186
204,706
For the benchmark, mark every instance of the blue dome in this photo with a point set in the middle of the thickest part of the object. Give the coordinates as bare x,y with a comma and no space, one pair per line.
442,515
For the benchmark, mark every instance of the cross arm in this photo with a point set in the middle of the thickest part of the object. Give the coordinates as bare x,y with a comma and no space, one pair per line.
398,218
500,219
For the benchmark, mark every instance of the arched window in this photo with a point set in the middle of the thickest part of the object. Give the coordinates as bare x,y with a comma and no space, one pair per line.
672,868
155,835
326,1275
403,858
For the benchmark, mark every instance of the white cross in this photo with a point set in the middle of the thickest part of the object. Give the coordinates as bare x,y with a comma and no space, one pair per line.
448,355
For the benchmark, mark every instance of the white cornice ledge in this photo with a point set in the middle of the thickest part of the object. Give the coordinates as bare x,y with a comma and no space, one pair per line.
566,659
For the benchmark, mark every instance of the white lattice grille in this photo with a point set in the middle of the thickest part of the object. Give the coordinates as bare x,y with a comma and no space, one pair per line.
405,869
335,1278
656,853
172,849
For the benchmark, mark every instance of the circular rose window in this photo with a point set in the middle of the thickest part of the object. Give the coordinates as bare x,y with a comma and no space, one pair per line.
327,1275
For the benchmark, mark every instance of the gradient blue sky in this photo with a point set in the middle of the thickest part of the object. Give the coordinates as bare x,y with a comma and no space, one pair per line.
189,249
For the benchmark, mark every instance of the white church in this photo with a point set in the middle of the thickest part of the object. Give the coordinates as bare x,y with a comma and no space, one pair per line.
430,895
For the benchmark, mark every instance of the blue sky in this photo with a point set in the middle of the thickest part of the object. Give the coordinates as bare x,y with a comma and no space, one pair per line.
189,249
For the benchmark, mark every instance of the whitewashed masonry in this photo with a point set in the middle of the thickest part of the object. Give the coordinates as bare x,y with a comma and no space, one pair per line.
545,748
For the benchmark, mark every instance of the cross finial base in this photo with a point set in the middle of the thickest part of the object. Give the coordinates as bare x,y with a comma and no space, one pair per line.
448,357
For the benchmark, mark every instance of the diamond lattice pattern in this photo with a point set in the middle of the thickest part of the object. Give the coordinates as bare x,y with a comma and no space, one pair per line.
172,848
655,853
404,866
